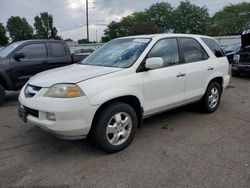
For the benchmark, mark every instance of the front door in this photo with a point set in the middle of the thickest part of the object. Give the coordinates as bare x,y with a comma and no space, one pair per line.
33,63
164,87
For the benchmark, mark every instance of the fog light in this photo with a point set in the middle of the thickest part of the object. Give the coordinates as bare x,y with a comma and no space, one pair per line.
51,116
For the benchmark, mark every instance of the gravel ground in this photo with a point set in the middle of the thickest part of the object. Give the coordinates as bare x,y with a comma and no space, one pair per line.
179,148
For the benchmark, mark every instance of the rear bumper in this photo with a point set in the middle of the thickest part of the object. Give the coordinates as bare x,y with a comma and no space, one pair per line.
226,80
73,116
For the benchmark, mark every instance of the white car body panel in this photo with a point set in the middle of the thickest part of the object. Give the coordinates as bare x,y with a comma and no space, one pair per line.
157,90
70,74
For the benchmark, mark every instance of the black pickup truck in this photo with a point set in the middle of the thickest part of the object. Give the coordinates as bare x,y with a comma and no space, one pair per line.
21,60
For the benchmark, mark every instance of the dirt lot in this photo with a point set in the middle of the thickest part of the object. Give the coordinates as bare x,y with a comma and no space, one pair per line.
180,148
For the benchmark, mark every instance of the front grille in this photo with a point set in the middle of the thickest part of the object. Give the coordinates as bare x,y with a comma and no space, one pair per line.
31,112
31,91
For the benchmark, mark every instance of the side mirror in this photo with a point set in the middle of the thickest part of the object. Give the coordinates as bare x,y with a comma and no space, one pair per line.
154,63
18,56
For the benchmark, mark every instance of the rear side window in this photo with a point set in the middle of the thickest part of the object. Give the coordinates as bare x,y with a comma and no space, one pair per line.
34,51
58,50
192,50
214,46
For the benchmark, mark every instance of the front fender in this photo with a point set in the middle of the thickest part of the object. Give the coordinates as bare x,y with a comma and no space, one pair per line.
102,97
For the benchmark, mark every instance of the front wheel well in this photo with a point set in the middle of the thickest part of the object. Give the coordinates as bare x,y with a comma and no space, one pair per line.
130,100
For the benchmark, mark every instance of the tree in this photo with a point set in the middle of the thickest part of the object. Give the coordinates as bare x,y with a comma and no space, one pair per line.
3,37
231,20
19,29
162,14
44,27
190,18
135,24
68,40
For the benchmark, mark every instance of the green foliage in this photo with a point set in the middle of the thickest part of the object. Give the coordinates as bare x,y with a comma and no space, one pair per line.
162,14
19,29
44,27
190,18
85,41
159,18
231,20
68,40
136,24
3,37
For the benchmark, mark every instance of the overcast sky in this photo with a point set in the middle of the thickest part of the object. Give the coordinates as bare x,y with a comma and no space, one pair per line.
69,15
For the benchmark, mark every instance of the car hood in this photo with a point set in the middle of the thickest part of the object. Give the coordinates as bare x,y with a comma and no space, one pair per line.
70,74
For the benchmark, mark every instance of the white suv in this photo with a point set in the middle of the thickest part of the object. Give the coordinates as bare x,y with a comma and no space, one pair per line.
109,93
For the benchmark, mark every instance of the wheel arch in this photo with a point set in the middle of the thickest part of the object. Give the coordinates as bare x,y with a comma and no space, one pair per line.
131,100
218,79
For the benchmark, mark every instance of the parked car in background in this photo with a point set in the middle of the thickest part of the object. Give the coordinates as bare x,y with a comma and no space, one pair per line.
231,50
241,62
109,93
21,60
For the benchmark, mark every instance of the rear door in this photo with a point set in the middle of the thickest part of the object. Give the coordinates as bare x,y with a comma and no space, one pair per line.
33,62
198,66
59,55
164,87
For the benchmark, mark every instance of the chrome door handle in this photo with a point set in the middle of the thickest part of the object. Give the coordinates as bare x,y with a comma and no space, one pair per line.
180,75
210,68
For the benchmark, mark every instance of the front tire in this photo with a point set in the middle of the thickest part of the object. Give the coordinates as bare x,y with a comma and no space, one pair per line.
2,94
211,99
115,127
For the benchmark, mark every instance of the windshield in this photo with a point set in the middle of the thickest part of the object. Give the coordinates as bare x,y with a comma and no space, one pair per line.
8,49
118,53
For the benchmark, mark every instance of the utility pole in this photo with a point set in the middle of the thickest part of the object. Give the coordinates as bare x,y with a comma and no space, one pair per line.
87,19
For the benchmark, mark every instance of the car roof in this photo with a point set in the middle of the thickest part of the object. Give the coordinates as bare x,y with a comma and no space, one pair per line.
41,40
164,35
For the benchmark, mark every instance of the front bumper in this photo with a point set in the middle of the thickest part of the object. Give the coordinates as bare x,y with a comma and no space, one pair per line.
73,116
241,69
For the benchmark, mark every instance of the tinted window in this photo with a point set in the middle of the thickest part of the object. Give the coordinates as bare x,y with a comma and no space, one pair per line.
168,50
192,50
33,51
58,50
214,46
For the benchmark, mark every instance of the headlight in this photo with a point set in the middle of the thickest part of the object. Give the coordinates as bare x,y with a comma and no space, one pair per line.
64,91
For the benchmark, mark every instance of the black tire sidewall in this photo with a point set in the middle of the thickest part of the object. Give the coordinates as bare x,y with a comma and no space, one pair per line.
101,125
205,100
2,94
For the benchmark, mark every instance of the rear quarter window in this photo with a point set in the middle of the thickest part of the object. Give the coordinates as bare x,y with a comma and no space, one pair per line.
214,47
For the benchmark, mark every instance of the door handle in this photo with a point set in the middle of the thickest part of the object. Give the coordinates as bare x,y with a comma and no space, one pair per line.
180,75
210,68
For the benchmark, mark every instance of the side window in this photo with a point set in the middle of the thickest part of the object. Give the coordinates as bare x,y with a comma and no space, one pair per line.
58,50
168,50
214,46
192,50
34,51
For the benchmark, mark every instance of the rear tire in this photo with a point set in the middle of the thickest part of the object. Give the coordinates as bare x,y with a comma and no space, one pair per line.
211,99
2,94
115,127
